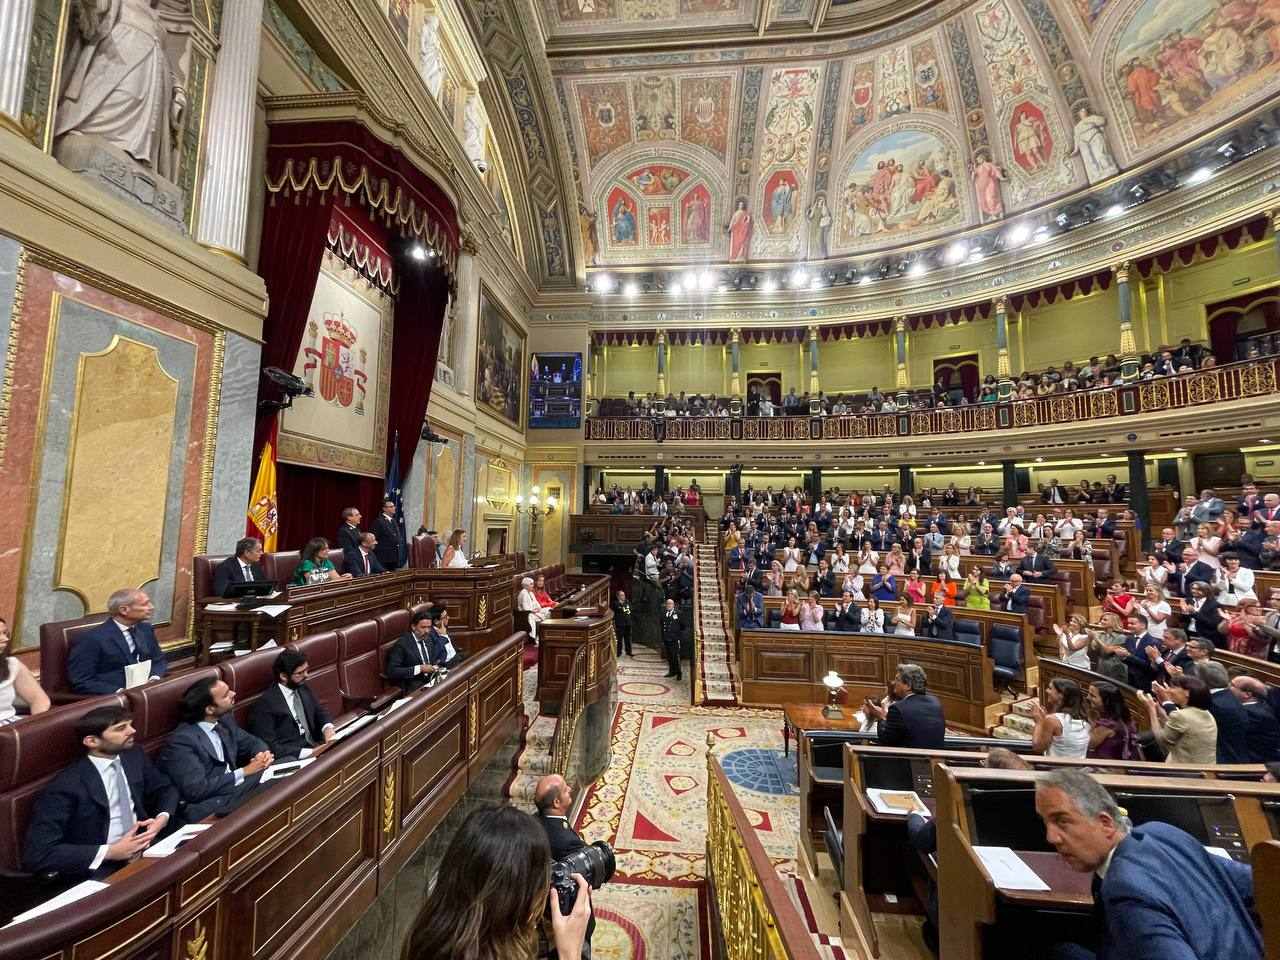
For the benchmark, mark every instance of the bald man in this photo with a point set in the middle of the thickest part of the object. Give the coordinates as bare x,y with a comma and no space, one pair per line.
553,798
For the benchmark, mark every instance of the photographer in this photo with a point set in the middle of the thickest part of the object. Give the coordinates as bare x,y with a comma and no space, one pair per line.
554,800
492,890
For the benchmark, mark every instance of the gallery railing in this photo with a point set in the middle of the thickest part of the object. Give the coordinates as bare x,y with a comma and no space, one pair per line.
1235,381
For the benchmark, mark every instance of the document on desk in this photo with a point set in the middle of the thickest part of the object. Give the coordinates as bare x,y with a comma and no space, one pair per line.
901,802
355,725
396,705
78,892
221,607
1008,870
174,840
272,610
278,771
136,674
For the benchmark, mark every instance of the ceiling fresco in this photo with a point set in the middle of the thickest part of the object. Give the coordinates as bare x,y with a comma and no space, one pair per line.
964,114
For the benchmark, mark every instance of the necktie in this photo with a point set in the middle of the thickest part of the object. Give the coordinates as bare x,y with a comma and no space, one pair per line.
122,800
422,652
133,641
366,564
218,751
248,573
299,714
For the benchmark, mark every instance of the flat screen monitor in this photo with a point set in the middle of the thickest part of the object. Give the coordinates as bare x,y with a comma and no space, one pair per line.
555,391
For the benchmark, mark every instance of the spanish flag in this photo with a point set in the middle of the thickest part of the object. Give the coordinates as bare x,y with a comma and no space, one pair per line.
263,518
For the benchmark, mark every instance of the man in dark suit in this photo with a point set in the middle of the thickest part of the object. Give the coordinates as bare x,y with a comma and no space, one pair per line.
1035,566
622,622
214,764
391,546
1229,712
349,530
940,622
1015,597
1139,912
919,558
97,659
102,810
1053,493
1140,664
409,662
1172,655
914,718
1202,613
1104,527
1113,492
443,651
288,717
553,799
750,610
671,638
363,560
846,615
241,568
1263,735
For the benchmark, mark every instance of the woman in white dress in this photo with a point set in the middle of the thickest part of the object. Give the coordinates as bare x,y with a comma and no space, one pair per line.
868,561
527,602
1073,642
454,555
949,562
907,508
904,621
839,561
853,583
872,617
17,683
790,556
1062,724
1154,574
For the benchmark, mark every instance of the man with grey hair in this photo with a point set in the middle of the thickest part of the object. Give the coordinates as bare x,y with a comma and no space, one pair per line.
913,717
1233,724
1158,893
97,660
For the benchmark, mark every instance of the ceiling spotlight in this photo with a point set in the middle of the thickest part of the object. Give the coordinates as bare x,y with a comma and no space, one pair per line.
770,285
798,278
1198,176
604,283
676,288
865,280
957,251
418,252
1062,220
1229,150
815,281
631,289
976,255
1114,211
1139,192
706,280
917,269
1017,235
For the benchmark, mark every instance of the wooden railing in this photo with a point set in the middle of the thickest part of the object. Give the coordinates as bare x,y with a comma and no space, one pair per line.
571,706
756,918
1236,381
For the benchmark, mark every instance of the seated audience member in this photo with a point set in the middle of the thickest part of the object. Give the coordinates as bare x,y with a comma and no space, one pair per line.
939,622
846,615
288,717
527,602
1228,711
944,589
363,561
913,716
1181,725
215,765
1062,721
750,610
444,652
1113,736
315,565
410,660
872,616
98,657
349,530
102,810
1139,912
17,683
1234,583
455,553
1015,597
1202,613
545,600
1263,729
1242,629
242,568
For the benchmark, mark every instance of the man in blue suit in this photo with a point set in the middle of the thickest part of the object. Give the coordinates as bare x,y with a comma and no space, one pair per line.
98,657
363,560
214,764
750,610
1158,894
102,810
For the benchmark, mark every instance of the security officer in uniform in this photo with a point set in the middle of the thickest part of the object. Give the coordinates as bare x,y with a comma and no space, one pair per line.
622,622
671,637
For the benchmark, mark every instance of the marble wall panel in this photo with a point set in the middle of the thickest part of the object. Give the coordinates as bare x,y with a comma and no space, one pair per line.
234,459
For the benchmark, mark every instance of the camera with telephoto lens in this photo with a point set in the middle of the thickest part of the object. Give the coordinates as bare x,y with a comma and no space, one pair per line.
594,862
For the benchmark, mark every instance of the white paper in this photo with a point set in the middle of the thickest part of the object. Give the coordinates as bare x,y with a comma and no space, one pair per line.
221,607
272,610
355,725
279,770
880,801
1219,852
78,892
136,674
396,706
174,840
1008,870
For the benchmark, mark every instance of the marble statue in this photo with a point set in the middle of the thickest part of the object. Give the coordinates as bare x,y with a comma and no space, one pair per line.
125,78
1091,146
430,63
473,130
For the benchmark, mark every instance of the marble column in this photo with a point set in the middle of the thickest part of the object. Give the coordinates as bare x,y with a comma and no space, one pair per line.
662,363
1139,499
1004,372
1128,346
466,321
224,192
16,17
900,352
813,362
735,362
1009,476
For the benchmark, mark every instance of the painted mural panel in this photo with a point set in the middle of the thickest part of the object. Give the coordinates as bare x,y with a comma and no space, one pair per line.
606,117
790,117
704,118
656,113
499,361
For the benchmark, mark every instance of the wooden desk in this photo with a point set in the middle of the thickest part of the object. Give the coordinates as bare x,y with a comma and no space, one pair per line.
1067,887
809,716
560,640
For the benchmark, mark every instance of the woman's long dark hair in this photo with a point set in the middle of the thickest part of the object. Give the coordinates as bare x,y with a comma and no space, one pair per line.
1113,703
1072,698
490,891
313,547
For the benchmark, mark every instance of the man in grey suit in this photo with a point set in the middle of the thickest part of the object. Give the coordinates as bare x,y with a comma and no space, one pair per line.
214,764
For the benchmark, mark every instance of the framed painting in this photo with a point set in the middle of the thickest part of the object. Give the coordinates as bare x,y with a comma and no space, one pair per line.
499,380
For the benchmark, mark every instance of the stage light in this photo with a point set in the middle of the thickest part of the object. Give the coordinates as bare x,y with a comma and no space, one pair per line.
418,252
770,286
917,269
603,283
798,277
865,280
1114,211
957,251
631,289
1017,234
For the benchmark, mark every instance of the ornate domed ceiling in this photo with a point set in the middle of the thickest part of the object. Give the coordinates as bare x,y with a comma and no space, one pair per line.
829,146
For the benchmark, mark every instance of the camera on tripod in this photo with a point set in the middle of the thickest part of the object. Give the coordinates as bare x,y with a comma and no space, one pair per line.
594,862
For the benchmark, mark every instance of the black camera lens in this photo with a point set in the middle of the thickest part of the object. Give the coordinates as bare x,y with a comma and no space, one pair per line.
596,865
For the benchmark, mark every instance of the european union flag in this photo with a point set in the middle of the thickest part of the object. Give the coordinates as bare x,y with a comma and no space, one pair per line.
393,492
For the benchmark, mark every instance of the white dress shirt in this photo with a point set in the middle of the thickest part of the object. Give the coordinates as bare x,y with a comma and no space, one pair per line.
119,803
210,728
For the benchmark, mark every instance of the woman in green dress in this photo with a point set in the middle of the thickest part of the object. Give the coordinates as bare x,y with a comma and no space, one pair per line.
977,590
316,566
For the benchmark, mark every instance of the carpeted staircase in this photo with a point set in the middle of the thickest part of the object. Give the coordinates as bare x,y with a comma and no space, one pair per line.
1016,724
534,757
717,671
